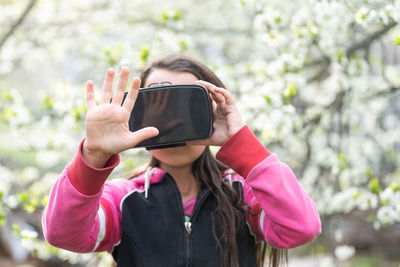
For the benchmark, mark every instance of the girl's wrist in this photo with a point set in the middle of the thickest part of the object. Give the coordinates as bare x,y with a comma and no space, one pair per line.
234,130
95,158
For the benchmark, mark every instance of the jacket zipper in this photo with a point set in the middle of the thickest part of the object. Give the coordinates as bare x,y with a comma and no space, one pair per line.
188,227
188,223
184,223
187,250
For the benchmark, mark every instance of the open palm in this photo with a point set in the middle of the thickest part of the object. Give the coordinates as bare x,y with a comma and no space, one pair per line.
107,124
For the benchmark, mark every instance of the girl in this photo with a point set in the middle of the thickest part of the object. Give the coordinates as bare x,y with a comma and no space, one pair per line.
187,208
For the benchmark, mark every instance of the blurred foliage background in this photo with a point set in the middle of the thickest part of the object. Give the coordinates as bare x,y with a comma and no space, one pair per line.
318,81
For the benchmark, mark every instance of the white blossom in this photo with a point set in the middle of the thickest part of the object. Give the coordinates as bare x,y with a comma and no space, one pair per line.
344,253
47,158
388,215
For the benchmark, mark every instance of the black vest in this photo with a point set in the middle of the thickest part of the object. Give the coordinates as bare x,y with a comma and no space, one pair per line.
154,233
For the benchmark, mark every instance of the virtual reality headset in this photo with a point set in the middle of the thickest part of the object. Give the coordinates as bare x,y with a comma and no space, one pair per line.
181,113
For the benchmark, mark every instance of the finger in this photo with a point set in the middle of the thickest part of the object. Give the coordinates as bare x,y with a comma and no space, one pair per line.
141,135
90,101
218,97
212,89
214,107
121,86
130,100
226,94
107,86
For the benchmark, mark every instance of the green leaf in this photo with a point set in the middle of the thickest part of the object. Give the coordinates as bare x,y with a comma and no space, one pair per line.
368,172
290,91
169,15
356,194
23,197
113,55
396,40
278,20
30,208
176,15
343,163
109,58
183,45
374,186
395,186
144,53
6,95
8,113
79,112
16,230
47,103
312,30
298,33
340,54
268,99
44,201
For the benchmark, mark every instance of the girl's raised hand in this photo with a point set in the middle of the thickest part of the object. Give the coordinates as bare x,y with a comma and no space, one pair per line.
107,124
227,120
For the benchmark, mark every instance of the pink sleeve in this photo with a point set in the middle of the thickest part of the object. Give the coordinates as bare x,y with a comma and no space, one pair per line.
282,213
81,211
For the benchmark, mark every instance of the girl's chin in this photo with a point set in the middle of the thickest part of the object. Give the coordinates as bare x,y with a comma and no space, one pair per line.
178,156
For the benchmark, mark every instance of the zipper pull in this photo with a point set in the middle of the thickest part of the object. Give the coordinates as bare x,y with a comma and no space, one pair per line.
188,224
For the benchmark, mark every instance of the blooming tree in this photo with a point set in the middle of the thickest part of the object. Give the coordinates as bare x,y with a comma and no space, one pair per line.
317,81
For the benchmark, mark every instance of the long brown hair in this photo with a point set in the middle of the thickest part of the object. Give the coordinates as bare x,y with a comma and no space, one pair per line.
207,170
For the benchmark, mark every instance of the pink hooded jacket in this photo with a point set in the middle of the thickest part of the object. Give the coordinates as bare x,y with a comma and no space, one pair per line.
83,213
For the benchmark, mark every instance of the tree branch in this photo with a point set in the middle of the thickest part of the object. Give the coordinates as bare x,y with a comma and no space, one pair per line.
321,72
391,90
13,27
364,44
367,41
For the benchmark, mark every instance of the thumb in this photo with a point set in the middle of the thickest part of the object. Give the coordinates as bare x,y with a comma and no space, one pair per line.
142,134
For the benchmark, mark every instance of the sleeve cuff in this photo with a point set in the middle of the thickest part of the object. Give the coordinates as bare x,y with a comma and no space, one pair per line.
87,179
242,152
